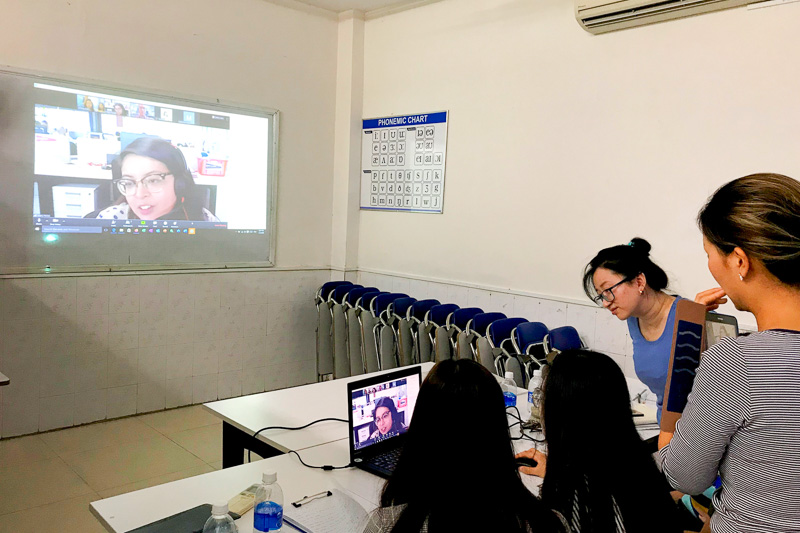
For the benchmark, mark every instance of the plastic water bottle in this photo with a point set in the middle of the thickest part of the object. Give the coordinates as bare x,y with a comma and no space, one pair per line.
268,508
509,389
535,398
220,521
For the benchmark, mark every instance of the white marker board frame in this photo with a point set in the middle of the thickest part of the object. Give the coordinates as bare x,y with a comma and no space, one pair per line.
403,162
27,253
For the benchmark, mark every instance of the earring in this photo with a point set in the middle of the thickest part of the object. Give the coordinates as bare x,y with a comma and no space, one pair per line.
741,278
641,291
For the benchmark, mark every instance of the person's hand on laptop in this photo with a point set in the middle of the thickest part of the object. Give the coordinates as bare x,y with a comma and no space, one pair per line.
534,455
711,298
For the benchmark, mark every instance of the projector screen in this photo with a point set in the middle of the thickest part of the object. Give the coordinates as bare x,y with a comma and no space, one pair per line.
108,178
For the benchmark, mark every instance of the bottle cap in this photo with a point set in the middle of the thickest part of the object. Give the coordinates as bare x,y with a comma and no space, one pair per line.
509,375
269,476
537,373
219,508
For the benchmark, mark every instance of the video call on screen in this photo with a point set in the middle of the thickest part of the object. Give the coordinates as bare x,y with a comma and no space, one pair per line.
79,135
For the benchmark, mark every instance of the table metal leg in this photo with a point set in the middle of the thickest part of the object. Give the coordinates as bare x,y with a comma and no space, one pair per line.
235,442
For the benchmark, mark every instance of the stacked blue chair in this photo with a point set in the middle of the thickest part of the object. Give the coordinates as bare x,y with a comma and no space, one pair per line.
437,319
563,338
417,315
384,332
500,340
478,329
369,323
458,329
324,327
337,302
354,346
528,341
403,329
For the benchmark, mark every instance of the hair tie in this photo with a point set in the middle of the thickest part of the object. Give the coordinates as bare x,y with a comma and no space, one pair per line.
630,244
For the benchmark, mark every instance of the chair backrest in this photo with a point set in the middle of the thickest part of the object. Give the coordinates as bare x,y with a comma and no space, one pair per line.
480,322
438,313
500,330
381,303
368,298
400,306
563,338
355,294
340,293
461,318
421,308
328,288
528,334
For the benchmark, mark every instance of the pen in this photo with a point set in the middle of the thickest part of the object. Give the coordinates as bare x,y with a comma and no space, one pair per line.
305,499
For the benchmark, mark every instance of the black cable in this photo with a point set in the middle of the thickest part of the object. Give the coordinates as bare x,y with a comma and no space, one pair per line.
329,419
519,421
324,467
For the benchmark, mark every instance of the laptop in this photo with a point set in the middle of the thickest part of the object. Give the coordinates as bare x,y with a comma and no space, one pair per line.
380,412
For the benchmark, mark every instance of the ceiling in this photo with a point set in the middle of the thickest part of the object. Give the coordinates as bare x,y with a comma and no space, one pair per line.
339,6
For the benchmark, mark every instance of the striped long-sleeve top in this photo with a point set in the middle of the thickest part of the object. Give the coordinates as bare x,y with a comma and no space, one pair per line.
743,420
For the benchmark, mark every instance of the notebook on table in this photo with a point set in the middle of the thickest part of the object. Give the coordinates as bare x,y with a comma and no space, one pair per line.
380,411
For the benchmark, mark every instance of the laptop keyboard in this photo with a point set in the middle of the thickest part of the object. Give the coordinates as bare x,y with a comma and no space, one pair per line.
387,460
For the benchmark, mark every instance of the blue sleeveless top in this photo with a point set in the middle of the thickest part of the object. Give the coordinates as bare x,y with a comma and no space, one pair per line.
651,358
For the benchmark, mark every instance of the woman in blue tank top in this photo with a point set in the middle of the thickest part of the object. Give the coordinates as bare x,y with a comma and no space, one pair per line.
624,280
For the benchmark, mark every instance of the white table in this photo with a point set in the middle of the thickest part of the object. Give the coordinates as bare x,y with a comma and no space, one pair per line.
129,511
4,379
135,509
292,407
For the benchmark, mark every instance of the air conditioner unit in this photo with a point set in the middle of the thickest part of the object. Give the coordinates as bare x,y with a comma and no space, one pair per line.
601,16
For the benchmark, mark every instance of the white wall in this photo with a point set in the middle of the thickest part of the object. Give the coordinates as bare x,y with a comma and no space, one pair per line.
561,142
80,349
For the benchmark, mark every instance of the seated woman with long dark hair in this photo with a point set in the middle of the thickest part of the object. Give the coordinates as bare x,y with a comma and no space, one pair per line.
597,471
457,470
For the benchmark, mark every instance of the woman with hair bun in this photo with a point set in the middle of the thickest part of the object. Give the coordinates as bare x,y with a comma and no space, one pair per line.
742,418
624,280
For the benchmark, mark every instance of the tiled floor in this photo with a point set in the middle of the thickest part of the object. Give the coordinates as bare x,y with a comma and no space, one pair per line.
50,478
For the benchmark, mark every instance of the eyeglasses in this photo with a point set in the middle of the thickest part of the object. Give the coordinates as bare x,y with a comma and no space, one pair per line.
608,294
387,417
152,182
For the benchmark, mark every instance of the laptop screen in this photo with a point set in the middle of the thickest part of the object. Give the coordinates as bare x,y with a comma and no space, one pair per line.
382,407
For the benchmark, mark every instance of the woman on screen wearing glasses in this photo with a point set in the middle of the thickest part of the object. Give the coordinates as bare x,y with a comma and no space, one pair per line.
387,419
155,184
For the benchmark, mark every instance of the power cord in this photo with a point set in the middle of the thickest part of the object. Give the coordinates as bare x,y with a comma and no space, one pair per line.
519,422
324,467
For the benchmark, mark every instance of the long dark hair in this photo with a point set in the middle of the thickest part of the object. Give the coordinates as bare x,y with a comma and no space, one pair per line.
628,260
460,488
760,214
620,471
397,424
188,205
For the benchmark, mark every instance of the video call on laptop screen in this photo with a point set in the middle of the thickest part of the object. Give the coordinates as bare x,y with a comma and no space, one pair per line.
383,411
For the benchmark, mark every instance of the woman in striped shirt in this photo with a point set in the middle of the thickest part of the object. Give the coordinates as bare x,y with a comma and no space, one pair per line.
742,418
